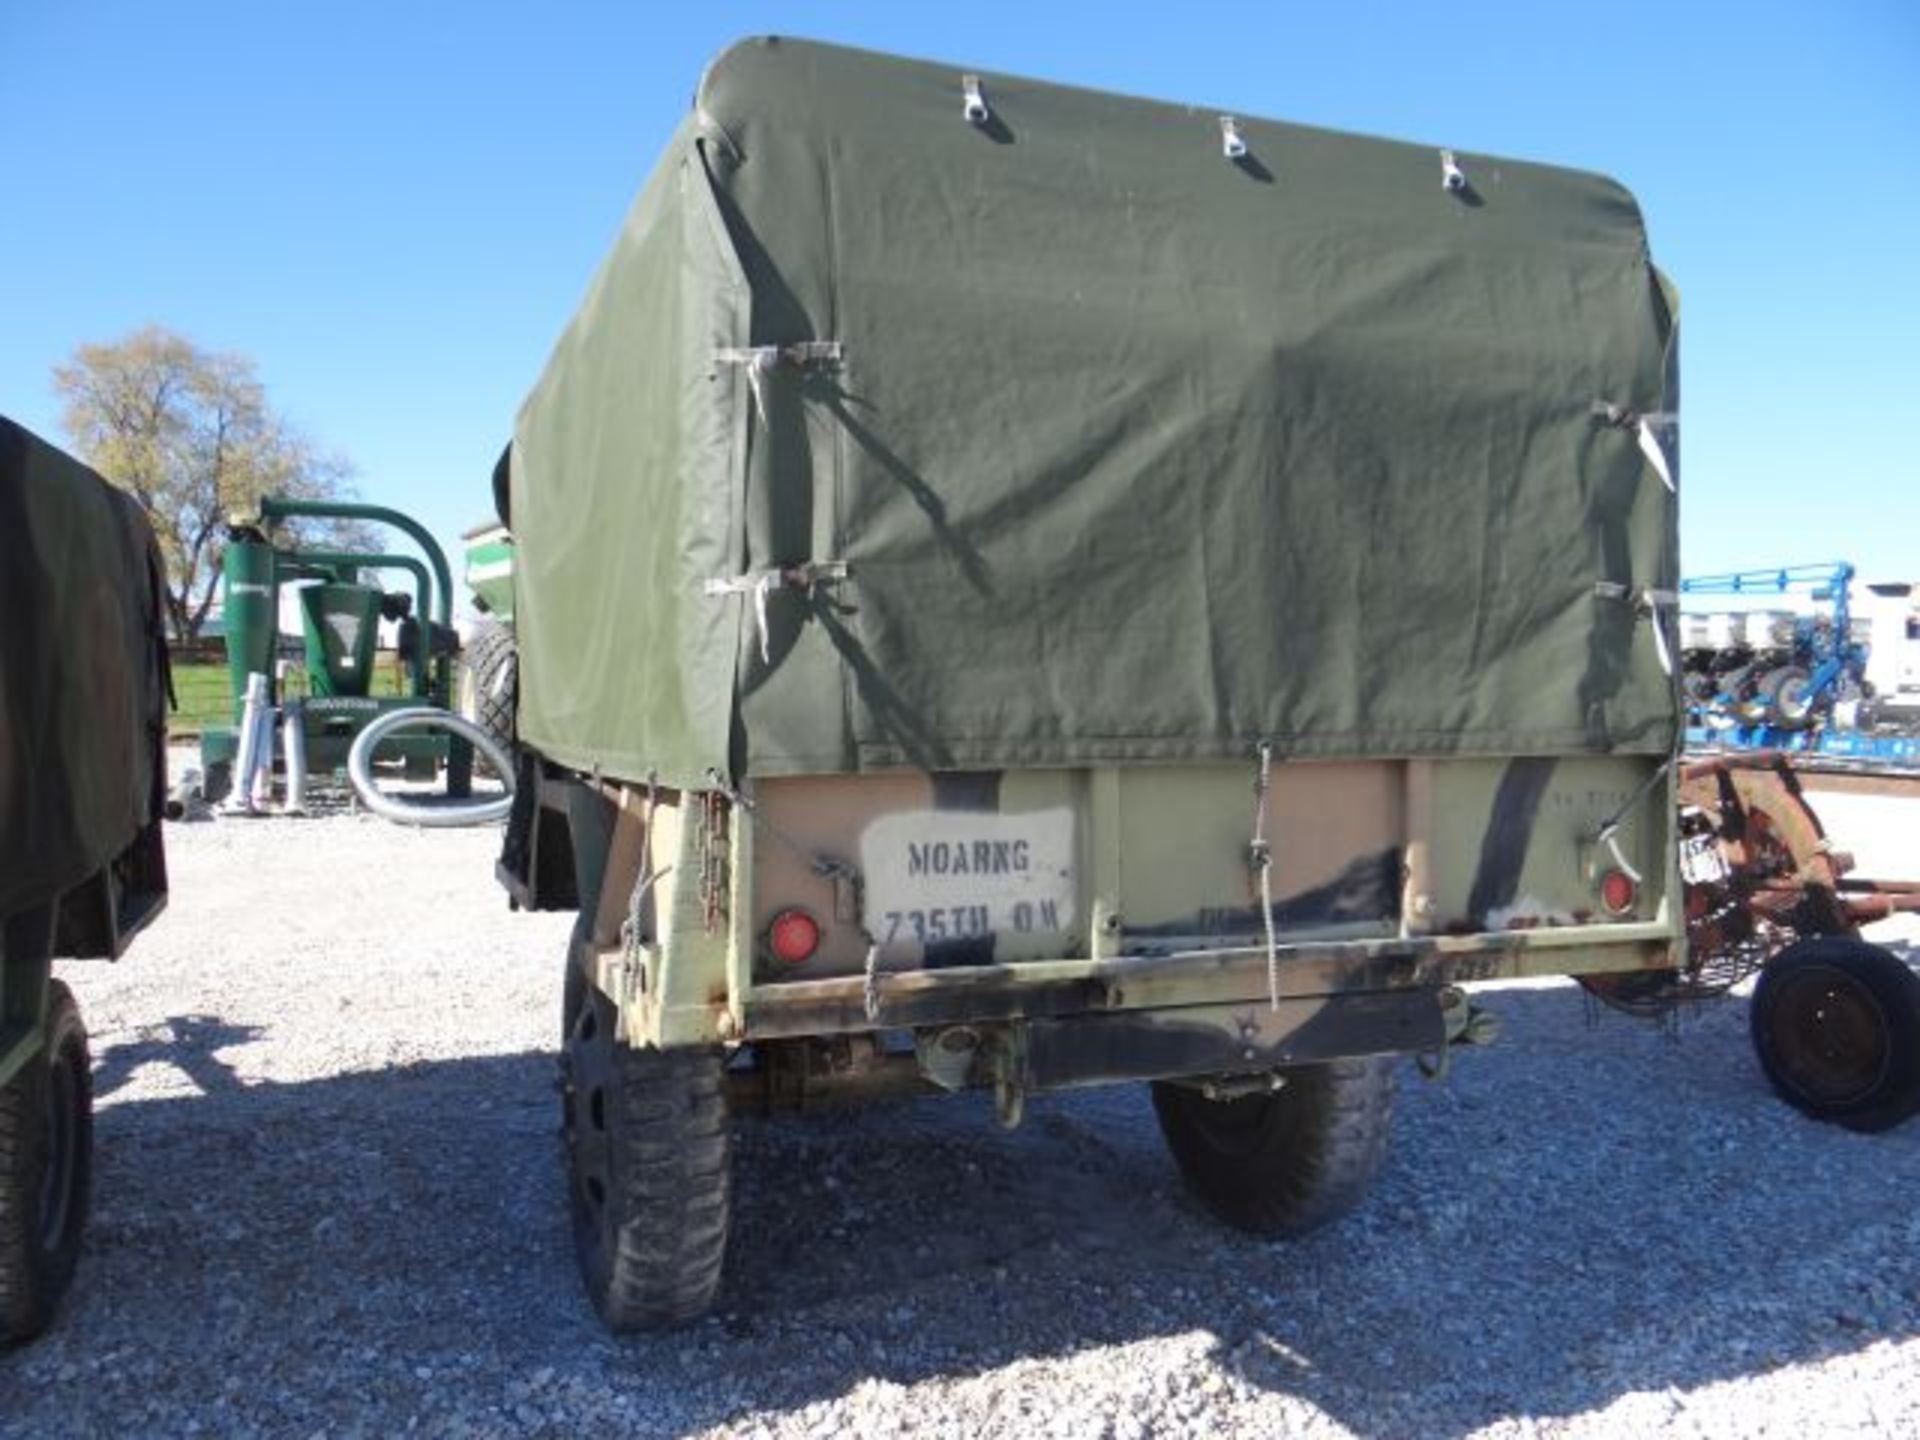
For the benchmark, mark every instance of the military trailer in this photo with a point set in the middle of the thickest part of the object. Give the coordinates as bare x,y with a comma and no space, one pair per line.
1022,588
83,697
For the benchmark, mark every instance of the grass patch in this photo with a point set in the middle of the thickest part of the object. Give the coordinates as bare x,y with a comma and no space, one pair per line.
206,695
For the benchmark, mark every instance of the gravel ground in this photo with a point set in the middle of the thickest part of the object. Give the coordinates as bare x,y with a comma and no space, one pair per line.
329,1202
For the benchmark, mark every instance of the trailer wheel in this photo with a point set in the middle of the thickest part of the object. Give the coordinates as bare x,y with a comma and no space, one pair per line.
1836,1026
46,1172
1788,693
1283,1163
491,680
647,1139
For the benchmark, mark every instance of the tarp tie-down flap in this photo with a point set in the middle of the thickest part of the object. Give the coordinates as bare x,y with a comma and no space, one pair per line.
1646,427
762,583
762,360
972,103
1649,603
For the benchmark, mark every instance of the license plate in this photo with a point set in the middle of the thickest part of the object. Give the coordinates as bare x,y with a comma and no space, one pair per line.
936,875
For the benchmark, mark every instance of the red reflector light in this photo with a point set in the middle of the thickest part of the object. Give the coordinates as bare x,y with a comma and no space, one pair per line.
1617,891
793,936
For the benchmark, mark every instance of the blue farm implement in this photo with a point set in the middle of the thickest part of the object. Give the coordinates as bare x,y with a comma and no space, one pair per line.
1795,677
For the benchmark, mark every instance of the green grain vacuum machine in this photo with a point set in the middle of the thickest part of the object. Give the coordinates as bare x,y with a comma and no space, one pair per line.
340,613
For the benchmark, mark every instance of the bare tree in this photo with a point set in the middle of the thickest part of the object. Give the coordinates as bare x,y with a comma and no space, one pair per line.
190,435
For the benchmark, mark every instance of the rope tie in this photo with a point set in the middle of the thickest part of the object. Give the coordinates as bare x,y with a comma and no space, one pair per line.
760,584
1260,856
761,361
1609,832
870,989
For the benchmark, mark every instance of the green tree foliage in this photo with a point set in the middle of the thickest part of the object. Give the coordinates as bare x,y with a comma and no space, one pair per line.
190,435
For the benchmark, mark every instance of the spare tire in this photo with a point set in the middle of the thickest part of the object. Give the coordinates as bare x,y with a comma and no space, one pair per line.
1286,1162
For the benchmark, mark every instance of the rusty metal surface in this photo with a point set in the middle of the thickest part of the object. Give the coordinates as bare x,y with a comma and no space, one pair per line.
1759,871
1168,983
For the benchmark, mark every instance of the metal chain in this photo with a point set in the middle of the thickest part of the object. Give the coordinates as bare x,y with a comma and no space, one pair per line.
713,860
820,863
1260,855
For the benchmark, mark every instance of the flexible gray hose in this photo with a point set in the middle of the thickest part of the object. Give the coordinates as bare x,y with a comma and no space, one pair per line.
443,812
246,762
293,726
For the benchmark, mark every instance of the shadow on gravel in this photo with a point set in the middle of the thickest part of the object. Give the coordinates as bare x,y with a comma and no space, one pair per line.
1585,1211
188,1043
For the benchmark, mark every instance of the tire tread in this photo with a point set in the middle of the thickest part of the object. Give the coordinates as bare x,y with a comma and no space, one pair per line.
673,1180
1324,1141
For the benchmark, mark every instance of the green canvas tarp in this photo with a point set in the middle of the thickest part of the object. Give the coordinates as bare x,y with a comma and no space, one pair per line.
82,672
1090,442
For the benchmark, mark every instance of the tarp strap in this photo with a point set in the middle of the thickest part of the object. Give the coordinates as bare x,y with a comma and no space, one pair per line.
762,360
1646,428
1649,603
762,583
973,104
1233,144
1260,857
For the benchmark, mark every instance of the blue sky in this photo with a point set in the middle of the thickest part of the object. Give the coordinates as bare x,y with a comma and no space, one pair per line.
394,208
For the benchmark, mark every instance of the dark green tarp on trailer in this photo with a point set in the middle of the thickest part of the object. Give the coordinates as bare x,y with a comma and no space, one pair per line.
1131,450
83,702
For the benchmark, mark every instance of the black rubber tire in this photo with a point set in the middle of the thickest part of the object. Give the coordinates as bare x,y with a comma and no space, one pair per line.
46,1172
1789,697
1746,704
491,682
648,1142
1836,1027
1288,1162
